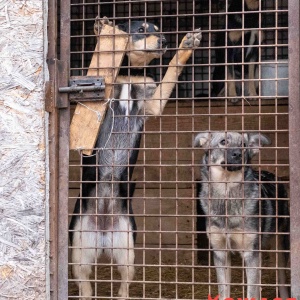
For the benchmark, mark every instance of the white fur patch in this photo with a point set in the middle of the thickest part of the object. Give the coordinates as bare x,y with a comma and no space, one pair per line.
125,98
145,25
254,33
222,177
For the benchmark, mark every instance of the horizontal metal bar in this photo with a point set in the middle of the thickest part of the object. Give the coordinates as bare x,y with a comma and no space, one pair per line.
80,89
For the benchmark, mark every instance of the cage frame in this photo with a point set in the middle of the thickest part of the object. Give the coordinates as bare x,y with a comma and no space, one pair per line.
59,116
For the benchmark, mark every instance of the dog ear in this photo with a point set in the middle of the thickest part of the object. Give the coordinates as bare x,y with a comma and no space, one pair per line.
122,27
202,139
255,141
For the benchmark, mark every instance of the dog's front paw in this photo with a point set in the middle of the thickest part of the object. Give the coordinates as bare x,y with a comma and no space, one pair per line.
100,23
185,50
192,39
234,100
252,95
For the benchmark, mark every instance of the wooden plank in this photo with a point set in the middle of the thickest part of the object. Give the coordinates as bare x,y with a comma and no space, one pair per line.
159,149
216,120
168,140
105,62
199,118
184,177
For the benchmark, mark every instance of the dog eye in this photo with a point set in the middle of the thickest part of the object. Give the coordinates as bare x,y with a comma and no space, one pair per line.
142,29
223,142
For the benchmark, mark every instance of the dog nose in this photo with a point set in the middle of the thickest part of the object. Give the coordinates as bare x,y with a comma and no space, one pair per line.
234,156
236,153
164,42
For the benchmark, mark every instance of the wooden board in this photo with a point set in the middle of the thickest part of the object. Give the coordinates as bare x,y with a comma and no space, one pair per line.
105,62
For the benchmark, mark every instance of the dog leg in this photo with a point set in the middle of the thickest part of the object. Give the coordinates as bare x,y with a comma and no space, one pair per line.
222,262
283,290
127,274
123,253
82,260
82,273
252,262
233,38
282,263
156,104
251,83
231,88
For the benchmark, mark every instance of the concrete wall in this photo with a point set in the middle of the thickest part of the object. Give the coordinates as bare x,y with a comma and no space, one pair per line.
23,160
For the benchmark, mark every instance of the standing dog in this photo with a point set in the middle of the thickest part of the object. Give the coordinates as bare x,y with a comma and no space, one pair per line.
242,40
231,198
102,222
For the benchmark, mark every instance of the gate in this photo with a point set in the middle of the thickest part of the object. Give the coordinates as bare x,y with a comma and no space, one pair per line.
173,257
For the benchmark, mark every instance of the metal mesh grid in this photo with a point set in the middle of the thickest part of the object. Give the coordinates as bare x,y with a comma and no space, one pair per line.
173,257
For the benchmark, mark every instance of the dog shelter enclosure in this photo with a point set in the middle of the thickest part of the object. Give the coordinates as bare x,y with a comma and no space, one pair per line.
173,257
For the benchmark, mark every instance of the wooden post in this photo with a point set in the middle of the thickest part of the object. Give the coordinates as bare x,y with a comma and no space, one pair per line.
106,61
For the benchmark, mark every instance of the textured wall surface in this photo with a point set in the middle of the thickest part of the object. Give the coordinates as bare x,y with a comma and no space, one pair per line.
22,150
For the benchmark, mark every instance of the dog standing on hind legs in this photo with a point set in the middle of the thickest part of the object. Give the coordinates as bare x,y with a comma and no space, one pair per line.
102,222
242,214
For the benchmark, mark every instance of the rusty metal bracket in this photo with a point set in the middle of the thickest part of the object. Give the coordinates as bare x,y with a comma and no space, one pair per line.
90,88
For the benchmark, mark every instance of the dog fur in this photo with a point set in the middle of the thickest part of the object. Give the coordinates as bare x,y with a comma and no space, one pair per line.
242,40
102,222
230,198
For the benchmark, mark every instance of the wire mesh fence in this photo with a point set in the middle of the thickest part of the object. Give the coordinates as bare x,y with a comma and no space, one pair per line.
194,200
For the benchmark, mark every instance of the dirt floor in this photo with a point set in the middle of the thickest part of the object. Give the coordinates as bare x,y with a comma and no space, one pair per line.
176,282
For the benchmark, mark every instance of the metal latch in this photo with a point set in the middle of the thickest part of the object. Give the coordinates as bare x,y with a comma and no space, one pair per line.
87,88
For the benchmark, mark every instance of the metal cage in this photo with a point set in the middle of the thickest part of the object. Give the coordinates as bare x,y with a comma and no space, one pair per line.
175,247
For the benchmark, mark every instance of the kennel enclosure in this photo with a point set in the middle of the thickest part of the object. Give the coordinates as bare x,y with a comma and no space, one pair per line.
173,259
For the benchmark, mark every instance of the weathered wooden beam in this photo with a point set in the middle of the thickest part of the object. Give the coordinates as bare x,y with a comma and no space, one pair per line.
106,61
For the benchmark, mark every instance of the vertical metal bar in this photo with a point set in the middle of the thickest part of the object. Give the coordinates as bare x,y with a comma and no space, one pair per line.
294,140
63,152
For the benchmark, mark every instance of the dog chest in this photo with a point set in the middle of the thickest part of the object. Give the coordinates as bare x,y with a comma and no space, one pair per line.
228,206
137,88
224,180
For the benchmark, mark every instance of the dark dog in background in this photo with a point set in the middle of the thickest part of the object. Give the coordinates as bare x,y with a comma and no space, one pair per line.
102,222
237,218
240,46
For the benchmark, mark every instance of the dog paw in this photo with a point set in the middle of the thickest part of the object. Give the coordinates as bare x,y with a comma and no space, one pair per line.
234,100
193,39
252,96
99,23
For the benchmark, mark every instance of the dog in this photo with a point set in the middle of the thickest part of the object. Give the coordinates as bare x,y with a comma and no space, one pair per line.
230,198
242,39
103,222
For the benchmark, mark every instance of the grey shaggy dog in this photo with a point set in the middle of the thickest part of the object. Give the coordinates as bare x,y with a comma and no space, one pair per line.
237,219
